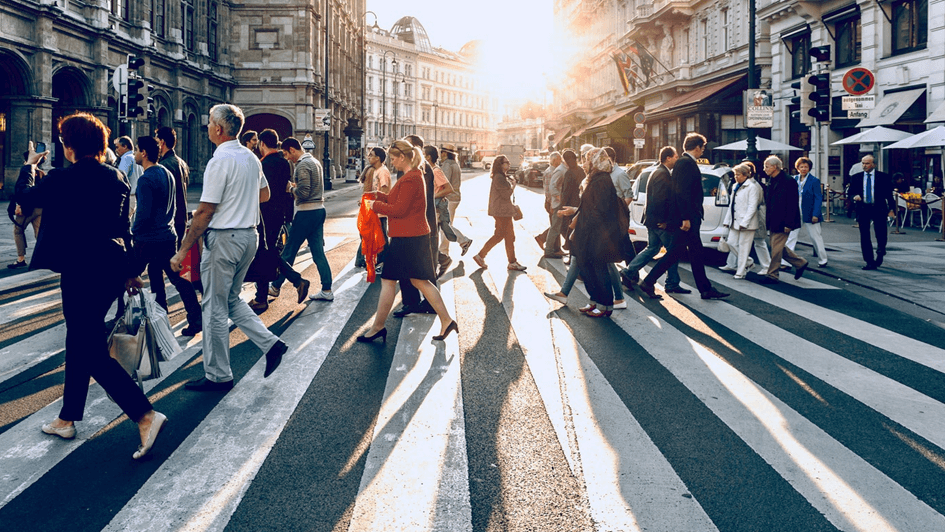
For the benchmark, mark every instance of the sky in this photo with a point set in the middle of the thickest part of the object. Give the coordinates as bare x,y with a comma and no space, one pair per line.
522,26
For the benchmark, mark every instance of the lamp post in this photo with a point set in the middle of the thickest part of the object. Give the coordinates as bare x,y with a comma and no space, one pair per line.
751,153
396,81
326,155
384,93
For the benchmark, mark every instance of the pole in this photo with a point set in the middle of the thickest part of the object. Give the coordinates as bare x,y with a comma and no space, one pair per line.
436,112
751,153
395,106
326,156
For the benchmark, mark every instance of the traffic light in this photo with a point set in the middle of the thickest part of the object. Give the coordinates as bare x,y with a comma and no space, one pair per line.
820,95
149,99
802,100
134,97
820,54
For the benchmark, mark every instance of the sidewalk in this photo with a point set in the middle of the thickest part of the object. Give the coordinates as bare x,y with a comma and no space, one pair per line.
912,271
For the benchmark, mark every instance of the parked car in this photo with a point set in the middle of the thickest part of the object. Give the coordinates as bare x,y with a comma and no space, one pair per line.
634,169
531,174
716,189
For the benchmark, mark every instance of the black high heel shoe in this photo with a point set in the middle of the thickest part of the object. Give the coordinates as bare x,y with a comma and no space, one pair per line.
381,333
449,328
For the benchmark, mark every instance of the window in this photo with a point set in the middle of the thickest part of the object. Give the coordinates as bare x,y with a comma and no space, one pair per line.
848,41
370,83
704,27
724,30
370,61
800,55
187,23
910,24
124,9
212,30
157,17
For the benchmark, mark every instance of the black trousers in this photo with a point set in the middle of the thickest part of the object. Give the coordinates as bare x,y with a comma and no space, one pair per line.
157,255
597,281
682,241
85,301
874,214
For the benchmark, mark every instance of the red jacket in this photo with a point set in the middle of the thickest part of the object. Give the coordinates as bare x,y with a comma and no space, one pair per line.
405,206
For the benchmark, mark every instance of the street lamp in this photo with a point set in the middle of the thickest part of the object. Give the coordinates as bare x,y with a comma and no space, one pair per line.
326,155
396,81
751,153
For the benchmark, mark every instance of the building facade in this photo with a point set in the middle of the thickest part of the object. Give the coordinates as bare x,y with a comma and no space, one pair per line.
415,88
59,56
684,66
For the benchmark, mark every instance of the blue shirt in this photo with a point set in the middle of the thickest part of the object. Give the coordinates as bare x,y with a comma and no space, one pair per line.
154,217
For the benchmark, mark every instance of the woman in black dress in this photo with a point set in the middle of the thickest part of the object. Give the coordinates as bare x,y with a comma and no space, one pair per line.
408,255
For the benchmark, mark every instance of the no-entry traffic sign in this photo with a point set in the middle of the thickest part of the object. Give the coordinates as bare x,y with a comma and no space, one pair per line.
858,81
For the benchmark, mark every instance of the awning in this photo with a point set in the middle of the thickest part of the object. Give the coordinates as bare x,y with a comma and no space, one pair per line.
587,126
561,135
891,108
695,96
932,138
613,118
761,144
876,135
938,115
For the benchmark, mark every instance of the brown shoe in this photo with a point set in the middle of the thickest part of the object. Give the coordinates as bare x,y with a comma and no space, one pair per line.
258,307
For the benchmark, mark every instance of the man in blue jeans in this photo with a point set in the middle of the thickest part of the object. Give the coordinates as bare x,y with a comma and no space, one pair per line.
657,237
308,224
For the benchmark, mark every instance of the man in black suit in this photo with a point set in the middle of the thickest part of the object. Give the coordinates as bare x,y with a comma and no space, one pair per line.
687,184
872,194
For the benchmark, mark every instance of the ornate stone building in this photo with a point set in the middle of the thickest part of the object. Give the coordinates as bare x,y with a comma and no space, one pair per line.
414,87
58,56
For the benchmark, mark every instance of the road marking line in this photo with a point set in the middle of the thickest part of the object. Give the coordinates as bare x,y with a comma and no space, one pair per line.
203,481
416,476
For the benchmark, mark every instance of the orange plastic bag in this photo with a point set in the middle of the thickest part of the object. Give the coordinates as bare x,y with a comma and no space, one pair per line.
372,235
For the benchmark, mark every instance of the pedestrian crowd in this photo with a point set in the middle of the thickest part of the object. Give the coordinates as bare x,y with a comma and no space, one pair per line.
263,197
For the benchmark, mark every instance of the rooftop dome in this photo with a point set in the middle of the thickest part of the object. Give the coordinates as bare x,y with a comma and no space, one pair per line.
471,49
409,29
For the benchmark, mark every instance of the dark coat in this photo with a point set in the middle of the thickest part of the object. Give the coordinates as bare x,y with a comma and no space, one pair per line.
602,221
86,226
181,172
662,200
688,180
882,189
278,210
571,187
24,181
500,196
782,204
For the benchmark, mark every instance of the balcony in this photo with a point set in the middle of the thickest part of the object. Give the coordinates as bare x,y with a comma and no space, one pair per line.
666,11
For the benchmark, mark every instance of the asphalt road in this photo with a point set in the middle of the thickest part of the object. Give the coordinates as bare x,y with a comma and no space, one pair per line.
805,406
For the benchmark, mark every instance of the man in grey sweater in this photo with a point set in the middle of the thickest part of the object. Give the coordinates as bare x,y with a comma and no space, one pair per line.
308,224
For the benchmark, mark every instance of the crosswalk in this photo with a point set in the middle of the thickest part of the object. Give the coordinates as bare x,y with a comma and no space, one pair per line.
803,407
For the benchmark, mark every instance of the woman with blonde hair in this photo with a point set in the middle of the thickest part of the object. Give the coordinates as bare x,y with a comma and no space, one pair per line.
741,217
409,254
502,209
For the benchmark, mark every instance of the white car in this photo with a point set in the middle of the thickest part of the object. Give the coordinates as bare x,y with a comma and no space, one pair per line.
715,201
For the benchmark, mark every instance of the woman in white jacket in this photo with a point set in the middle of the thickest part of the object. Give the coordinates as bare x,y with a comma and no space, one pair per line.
742,217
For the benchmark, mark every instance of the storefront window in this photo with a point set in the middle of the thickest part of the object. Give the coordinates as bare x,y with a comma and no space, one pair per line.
848,41
910,25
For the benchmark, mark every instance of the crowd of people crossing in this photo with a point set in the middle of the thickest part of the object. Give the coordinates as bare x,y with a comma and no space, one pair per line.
263,197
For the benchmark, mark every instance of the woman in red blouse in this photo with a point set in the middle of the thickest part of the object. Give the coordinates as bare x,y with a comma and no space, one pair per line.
408,256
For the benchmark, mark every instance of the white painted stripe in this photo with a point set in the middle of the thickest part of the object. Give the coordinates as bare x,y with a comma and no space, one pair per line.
416,473
630,484
916,411
22,279
908,348
31,304
28,454
852,494
200,485
23,355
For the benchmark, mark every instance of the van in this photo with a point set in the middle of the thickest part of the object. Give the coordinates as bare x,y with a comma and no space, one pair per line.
716,189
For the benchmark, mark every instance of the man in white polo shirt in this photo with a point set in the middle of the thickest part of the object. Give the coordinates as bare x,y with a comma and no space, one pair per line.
234,185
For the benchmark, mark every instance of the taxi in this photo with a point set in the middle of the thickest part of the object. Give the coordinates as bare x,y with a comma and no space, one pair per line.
716,188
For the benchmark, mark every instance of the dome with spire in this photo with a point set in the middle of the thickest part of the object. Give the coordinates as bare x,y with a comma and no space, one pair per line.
409,29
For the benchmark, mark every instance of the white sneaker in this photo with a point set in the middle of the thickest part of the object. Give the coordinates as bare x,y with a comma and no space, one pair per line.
620,306
750,264
324,295
727,268
274,292
739,276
